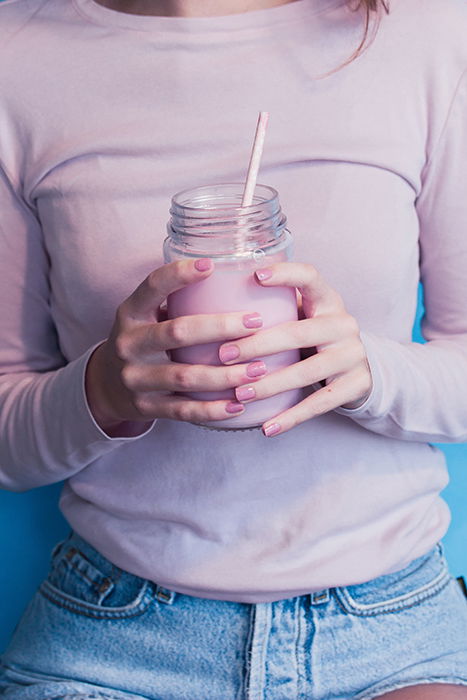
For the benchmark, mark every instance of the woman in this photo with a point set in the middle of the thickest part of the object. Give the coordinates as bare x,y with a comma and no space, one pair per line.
296,561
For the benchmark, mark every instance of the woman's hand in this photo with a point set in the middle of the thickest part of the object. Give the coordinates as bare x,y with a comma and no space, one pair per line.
337,358
130,380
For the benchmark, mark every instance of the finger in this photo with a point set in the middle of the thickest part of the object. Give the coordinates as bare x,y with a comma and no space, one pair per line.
188,410
307,333
315,369
145,340
340,391
317,294
186,378
143,303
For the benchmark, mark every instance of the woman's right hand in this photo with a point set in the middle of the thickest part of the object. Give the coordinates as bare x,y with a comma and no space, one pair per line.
130,380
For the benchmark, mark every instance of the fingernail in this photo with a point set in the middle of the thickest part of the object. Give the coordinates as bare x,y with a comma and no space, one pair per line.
264,274
272,429
256,369
252,321
228,353
245,393
233,407
203,264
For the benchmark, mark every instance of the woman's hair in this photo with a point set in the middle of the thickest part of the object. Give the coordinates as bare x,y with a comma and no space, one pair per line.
374,4
369,6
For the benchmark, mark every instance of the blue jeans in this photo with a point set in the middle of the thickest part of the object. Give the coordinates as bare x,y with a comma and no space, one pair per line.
93,630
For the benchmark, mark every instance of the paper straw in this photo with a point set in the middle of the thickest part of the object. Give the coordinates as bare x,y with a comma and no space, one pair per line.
255,159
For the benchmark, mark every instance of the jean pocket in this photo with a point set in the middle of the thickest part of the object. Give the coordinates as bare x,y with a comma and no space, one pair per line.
83,581
423,578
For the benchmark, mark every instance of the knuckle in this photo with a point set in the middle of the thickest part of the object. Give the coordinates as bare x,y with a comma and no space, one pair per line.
337,301
122,347
312,272
178,331
349,323
360,354
211,412
354,352
184,411
223,326
182,378
141,405
128,377
364,377
153,281
183,272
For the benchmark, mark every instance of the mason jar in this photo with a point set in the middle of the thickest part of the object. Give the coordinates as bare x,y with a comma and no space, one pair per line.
210,222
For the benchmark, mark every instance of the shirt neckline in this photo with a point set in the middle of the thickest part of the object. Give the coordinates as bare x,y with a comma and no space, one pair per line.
247,21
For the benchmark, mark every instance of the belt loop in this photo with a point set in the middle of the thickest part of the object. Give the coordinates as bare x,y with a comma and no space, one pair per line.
320,597
163,595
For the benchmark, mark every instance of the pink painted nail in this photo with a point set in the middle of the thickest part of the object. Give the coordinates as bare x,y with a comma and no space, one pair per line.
203,264
228,353
245,393
272,429
256,369
264,274
233,407
252,321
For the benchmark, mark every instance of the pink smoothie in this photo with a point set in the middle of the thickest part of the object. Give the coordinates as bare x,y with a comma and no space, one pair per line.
231,289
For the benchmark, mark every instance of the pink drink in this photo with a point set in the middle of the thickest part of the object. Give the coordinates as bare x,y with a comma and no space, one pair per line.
226,290
212,222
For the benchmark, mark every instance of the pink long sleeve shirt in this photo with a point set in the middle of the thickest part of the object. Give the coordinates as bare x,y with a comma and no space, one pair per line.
103,117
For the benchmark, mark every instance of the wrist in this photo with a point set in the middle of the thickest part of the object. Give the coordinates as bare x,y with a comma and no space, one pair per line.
99,407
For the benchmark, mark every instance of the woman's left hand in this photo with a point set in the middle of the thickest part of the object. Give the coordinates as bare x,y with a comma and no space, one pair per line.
329,335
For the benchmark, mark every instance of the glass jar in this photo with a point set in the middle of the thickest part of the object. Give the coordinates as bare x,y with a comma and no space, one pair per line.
210,222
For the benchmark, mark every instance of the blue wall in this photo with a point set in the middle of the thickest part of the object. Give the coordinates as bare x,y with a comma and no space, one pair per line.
30,525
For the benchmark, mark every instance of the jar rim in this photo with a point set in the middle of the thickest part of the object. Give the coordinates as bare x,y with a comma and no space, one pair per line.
273,194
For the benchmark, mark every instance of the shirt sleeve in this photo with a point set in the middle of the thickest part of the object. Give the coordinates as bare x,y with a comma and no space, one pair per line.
420,390
47,432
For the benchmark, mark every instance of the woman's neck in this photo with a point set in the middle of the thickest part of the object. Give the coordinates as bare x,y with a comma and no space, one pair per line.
190,8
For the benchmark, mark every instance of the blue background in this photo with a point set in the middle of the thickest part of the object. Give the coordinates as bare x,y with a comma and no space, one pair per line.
31,524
